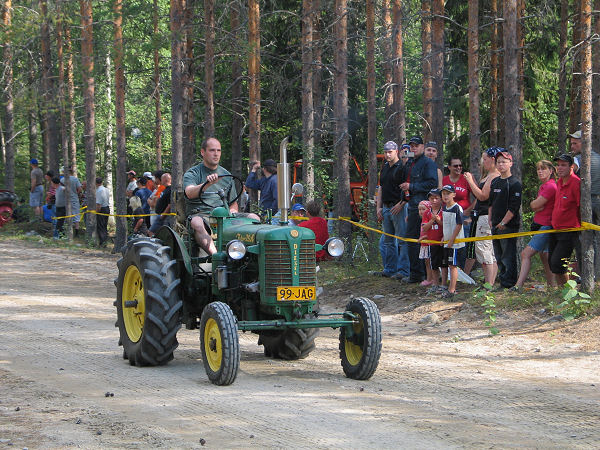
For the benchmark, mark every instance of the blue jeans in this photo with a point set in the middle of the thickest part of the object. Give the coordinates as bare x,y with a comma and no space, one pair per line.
394,252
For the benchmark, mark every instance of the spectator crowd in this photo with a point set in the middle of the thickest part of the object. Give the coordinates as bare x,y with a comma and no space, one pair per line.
414,200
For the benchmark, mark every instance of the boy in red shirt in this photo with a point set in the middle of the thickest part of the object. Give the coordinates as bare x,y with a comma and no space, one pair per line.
566,214
318,225
433,226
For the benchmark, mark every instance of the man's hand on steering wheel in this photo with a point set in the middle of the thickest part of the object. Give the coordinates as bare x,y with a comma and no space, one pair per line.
213,178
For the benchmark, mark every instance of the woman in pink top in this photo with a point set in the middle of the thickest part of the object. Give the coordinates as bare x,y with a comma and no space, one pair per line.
543,206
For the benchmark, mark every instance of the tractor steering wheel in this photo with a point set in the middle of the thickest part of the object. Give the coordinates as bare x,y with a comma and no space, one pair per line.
237,183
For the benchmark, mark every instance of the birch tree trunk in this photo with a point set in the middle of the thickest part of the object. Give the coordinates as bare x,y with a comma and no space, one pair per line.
340,113
398,73
237,123
473,62
121,195
437,44
511,89
9,176
427,72
157,87
308,119
562,78
87,65
587,247
108,142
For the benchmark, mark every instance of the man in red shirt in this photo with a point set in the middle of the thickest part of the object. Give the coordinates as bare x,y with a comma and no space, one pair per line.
566,214
319,226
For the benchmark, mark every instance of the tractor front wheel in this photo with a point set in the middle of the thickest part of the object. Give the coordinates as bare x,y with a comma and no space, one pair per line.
290,344
360,343
219,343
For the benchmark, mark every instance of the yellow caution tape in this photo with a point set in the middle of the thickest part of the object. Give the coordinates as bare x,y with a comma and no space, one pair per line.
114,215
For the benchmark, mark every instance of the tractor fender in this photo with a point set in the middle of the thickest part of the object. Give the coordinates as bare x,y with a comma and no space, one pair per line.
178,249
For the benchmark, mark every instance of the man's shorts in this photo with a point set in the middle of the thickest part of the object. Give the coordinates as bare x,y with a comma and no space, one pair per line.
36,197
437,255
539,242
451,256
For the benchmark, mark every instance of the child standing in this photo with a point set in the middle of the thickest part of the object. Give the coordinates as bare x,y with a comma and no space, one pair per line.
453,229
424,207
433,226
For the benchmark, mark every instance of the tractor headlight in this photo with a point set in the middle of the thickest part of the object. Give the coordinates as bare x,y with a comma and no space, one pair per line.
236,249
334,247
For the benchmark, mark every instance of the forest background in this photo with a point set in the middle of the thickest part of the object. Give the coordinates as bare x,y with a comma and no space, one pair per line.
114,85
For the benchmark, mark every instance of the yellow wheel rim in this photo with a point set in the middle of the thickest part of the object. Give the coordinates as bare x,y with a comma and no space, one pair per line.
354,352
133,303
213,346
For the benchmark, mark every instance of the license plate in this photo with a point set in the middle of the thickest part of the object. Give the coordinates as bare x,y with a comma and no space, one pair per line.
296,293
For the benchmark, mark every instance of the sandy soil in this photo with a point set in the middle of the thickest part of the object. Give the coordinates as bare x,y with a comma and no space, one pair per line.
63,382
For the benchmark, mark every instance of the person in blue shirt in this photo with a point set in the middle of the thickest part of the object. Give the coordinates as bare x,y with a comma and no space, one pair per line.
267,185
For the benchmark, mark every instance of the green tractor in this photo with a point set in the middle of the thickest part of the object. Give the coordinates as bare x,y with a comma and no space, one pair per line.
263,279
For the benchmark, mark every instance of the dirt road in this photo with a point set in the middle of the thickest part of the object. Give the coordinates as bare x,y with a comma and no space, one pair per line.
436,387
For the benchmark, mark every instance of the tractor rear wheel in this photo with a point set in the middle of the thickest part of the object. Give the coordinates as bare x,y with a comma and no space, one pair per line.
148,303
290,344
219,343
360,347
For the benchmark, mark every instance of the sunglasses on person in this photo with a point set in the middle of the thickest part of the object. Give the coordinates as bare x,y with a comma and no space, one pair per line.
457,165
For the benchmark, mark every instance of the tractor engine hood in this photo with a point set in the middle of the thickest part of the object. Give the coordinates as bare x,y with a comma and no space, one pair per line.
251,234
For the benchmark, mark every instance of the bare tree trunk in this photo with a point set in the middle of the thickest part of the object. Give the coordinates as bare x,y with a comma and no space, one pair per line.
371,118
254,78
562,77
398,73
9,168
48,89
32,115
521,61
157,111
596,80
494,76
237,123
501,93
63,115
389,132
437,64
87,65
575,96
317,74
587,247
473,62
177,7
209,68
308,120
189,141
427,72
340,106
511,90
108,143
71,97
121,195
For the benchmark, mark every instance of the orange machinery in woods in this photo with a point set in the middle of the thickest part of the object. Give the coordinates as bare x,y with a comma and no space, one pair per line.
358,188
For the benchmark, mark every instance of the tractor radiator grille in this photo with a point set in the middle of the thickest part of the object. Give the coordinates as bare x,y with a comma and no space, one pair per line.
278,265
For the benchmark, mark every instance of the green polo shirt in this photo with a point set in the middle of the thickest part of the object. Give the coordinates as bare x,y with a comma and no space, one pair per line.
197,175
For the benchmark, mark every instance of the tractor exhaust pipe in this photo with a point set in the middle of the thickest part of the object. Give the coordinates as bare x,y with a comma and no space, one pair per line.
283,181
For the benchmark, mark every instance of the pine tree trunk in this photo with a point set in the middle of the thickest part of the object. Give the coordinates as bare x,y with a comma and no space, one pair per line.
48,90
398,73
473,62
562,77
587,247
521,61
71,102
501,93
188,76
575,96
32,115
237,122
121,191
87,65
426,67
371,122
437,44
108,142
308,119
157,88
254,80
389,132
176,97
209,68
317,74
494,76
511,89
340,112
596,81
9,168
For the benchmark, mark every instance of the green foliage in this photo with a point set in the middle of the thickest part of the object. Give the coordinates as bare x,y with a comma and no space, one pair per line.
489,303
574,303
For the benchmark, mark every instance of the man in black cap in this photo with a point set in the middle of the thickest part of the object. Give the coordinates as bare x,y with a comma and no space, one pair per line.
420,178
390,210
267,185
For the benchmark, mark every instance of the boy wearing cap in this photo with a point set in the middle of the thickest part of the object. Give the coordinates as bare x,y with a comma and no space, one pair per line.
267,185
433,225
452,216
566,214
504,217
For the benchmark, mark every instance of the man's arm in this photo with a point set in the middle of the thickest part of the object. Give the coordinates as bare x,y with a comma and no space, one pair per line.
430,179
254,183
193,190
32,183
